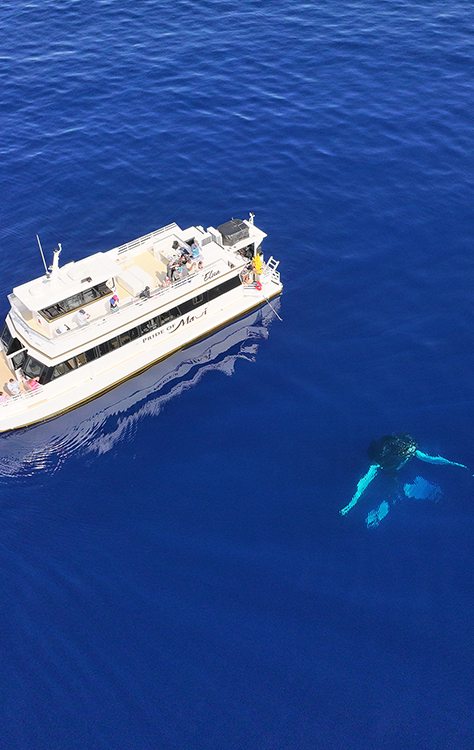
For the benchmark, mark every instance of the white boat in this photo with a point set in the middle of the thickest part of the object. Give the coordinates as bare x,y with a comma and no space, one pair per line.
83,328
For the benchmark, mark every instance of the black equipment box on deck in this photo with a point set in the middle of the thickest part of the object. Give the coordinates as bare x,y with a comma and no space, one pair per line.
233,231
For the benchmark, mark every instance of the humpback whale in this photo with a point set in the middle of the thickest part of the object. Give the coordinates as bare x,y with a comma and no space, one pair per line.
389,454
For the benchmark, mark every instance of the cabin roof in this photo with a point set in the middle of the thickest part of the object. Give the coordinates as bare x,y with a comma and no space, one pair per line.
68,280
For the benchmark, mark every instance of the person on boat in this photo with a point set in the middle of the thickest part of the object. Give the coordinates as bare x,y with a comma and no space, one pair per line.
191,265
14,387
83,317
145,294
257,267
180,249
3,397
32,384
114,303
166,281
172,271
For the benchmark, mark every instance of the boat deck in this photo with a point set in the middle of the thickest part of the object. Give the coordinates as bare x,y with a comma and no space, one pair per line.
5,374
149,264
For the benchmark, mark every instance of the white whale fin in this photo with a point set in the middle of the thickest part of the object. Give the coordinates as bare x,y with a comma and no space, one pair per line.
437,460
362,485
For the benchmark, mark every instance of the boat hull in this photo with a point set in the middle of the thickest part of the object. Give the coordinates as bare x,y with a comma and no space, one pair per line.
98,377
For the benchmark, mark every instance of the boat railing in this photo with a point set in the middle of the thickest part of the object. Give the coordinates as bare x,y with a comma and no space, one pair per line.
20,398
147,238
125,306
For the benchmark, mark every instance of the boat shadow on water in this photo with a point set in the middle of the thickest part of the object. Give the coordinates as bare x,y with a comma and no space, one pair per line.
98,426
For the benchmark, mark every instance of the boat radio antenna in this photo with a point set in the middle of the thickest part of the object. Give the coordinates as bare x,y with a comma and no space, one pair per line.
42,255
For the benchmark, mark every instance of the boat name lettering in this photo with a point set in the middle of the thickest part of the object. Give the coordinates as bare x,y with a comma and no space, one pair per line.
184,321
152,336
211,275
174,326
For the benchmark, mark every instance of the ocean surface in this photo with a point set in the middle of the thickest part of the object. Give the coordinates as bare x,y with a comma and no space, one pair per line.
175,573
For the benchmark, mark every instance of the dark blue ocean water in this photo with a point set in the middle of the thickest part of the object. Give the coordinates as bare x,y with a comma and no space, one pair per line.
174,570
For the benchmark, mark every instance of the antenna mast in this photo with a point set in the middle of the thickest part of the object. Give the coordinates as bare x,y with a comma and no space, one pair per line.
42,255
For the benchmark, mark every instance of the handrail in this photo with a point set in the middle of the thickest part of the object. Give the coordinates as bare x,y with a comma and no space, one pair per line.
66,337
38,339
20,397
142,240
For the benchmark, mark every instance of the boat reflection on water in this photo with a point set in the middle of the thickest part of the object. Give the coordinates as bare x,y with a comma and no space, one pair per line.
98,426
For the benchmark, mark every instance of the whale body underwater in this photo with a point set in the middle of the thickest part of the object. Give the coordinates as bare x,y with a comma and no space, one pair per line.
389,454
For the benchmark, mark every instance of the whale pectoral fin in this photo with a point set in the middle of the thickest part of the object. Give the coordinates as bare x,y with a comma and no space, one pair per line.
362,485
437,460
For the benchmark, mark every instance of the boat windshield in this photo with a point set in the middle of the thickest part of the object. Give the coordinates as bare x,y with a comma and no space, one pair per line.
75,302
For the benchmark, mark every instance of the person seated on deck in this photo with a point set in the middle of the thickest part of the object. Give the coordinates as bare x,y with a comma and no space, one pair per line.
82,317
14,387
200,266
145,294
32,384
114,303
3,397
166,282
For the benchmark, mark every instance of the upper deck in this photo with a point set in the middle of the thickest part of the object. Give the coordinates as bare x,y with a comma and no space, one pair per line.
44,312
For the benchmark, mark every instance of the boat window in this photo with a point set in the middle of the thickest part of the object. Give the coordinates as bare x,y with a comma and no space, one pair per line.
6,337
33,369
185,307
75,302
215,292
150,325
103,289
18,359
90,295
72,303
91,354
225,287
61,369
81,359
169,315
125,338
15,346
133,333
